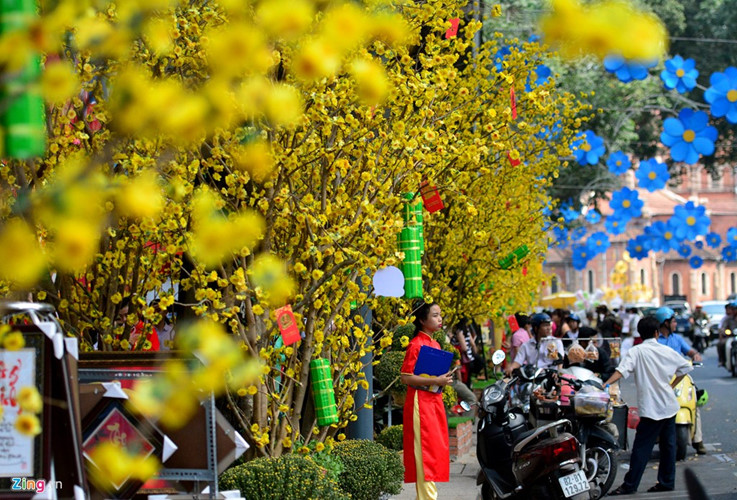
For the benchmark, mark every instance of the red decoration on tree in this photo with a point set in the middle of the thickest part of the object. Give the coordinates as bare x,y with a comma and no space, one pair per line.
513,325
513,101
512,161
287,325
524,270
430,197
453,30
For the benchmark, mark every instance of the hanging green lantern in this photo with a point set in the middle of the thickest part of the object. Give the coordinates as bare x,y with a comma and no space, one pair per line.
412,216
517,255
323,392
409,243
23,108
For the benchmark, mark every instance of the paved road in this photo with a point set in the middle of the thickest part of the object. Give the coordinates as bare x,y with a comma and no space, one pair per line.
717,470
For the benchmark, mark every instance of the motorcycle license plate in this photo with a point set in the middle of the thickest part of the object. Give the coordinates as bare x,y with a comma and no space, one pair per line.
573,484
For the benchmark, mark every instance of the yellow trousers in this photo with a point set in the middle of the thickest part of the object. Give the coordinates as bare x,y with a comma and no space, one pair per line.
426,490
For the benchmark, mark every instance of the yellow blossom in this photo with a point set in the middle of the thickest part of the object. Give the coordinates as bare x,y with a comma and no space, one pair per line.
21,260
29,399
14,341
140,197
28,424
59,82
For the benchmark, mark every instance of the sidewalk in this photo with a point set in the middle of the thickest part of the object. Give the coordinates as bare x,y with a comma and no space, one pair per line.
717,472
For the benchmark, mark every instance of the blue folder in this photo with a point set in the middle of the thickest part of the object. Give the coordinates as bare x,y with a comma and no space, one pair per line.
433,362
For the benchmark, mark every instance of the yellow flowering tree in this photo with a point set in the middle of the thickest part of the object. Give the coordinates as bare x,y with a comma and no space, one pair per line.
232,157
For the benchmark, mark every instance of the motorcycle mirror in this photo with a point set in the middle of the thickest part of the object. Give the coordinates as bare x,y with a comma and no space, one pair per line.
697,363
498,357
466,406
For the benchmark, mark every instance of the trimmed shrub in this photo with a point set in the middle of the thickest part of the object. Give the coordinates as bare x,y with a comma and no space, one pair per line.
388,369
370,470
289,477
391,437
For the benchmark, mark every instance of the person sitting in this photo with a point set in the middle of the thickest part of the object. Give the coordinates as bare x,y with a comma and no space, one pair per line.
542,350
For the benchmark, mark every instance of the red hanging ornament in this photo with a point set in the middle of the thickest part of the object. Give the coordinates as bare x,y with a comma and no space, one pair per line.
287,325
512,161
524,270
453,30
430,197
513,325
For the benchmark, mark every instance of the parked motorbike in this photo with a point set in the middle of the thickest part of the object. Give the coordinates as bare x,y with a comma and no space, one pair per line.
730,348
520,462
686,416
701,335
576,394
522,390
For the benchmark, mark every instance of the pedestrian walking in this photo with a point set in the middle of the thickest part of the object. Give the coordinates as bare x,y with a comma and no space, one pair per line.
426,450
653,365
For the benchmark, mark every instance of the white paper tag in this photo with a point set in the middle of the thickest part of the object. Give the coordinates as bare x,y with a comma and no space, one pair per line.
113,390
72,346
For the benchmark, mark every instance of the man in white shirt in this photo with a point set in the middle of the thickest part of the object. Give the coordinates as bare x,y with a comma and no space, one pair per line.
542,350
653,365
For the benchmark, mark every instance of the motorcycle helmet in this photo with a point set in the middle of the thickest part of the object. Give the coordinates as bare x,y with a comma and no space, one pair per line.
663,314
573,317
537,319
703,397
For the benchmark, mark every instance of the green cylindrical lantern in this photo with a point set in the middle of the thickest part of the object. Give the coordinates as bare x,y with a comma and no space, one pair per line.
409,243
412,216
517,255
323,392
23,115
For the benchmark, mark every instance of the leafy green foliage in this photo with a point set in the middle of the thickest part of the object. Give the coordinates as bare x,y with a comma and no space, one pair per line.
392,437
370,471
289,477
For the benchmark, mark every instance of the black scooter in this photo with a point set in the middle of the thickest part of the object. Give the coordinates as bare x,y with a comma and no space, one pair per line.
519,462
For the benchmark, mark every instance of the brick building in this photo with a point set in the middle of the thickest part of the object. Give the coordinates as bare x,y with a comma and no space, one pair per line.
662,273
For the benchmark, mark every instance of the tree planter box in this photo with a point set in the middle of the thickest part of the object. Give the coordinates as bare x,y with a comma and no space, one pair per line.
460,433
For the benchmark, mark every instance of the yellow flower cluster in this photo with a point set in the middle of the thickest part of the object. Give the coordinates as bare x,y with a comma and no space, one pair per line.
603,28
114,465
253,154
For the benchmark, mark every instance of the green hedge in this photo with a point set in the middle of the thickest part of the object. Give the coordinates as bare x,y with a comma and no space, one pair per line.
392,437
289,477
370,470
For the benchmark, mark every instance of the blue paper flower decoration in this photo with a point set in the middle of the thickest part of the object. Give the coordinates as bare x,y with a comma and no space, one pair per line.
679,74
689,135
541,73
561,236
695,262
598,242
684,250
625,70
499,56
662,236
652,175
638,247
729,253
568,212
580,258
588,148
699,245
713,240
615,225
593,216
618,163
626,204
690,221
732,237
578,233
722,95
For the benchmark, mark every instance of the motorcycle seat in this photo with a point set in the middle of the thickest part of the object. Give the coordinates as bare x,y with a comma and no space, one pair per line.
524,435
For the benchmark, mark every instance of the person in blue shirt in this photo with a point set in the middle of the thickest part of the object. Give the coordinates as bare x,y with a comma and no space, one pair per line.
666,319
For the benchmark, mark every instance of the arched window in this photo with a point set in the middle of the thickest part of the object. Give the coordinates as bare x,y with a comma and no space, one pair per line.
732,283
704,287
675,284
642,276
554,284
591,281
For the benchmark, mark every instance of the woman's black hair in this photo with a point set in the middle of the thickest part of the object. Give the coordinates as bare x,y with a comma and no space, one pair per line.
422,311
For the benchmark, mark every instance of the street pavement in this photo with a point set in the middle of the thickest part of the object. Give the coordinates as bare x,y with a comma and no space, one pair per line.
717,470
